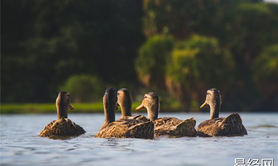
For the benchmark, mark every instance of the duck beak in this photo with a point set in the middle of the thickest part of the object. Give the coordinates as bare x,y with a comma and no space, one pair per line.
71,107
203,105
140,107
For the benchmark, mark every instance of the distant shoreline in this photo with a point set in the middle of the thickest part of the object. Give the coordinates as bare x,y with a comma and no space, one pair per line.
95,107
45,108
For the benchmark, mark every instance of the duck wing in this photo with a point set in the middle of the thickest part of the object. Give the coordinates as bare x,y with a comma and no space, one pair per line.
127,128
232,126
209,128
174,127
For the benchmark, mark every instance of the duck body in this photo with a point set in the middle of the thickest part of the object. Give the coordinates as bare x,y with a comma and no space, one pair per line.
63,127
229,126
127,128
174,127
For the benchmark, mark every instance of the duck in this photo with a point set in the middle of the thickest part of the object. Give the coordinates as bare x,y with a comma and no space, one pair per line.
125,103
215,126
63,127
124,127
166,126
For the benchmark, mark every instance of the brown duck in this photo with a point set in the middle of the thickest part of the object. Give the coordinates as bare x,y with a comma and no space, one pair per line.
125,103
215,126
125,127
62,127
170,126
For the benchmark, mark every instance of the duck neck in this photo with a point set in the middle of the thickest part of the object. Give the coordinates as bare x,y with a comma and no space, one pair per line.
125,112
125,109
61,111
153,112
109,114
214,110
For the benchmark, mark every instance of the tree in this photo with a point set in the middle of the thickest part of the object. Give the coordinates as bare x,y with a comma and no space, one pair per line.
266,76
47,42
151,61
84,88
197,64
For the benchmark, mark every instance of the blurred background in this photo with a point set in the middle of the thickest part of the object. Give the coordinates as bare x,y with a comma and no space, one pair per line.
178,48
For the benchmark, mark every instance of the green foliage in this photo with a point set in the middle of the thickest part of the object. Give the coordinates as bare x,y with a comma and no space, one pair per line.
151,61
242,27
248,29
47,42
39,108
196,64
200,60
266,66
84,88
44,43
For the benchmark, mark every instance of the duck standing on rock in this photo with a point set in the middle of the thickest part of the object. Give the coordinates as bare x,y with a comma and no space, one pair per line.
215,126
125,127
62,127
170,126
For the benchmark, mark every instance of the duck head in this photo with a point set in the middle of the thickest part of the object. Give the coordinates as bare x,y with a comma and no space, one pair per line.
152,104
110,104
213,100
63,104
125,102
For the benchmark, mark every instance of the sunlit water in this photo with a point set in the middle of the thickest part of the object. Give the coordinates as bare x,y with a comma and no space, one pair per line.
21,145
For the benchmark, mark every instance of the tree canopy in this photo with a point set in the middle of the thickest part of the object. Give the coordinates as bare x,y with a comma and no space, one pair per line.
178,48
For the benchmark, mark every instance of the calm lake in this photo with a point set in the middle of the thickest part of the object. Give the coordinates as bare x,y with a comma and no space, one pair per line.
21,145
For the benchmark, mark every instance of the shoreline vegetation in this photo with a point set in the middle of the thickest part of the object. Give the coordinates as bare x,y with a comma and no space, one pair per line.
45,108
94,107
177,48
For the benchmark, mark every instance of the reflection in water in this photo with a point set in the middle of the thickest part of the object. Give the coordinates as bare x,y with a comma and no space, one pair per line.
21,145
111,142
119,144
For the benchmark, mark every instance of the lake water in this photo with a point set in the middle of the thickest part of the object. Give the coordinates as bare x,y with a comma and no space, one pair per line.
21,145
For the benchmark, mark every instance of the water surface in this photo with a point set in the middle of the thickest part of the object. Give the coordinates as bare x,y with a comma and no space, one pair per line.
21,145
